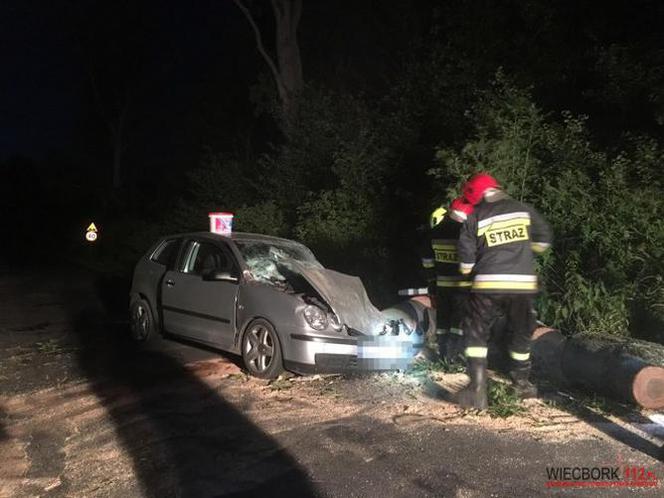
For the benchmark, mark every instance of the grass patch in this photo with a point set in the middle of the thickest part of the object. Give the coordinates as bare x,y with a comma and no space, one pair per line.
280,384
238,376
49,347
425,367
503,400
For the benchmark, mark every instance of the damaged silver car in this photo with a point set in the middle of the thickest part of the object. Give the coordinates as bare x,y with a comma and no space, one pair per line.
269,300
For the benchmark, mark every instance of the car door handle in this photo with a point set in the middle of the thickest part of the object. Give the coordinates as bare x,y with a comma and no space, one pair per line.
170,283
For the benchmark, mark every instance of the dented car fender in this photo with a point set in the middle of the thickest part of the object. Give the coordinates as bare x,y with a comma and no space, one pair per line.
260,300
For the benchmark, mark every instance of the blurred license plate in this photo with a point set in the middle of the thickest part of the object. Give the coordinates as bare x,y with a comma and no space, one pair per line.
386,347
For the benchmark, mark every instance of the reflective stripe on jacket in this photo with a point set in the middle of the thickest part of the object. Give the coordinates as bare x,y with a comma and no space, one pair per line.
496,245
442,255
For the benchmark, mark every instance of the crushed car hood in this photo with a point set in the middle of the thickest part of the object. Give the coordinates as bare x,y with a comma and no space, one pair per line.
347,297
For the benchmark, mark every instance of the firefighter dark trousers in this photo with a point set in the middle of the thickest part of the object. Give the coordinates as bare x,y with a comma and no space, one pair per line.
450,311
518,310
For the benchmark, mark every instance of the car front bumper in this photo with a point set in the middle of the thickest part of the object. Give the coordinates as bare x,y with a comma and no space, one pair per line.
323,354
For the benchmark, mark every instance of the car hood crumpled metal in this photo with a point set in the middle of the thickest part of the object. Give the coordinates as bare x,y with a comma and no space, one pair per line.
347,297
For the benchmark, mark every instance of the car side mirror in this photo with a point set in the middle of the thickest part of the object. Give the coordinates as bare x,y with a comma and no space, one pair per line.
219,276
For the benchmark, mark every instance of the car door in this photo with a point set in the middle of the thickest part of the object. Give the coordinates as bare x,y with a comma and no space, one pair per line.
196,308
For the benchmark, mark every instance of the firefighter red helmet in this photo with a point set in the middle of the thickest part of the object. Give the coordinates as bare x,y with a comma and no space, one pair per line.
460,209
475,188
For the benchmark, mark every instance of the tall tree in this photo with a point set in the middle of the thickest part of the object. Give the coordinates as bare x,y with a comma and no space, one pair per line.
287,70
113,111
112,40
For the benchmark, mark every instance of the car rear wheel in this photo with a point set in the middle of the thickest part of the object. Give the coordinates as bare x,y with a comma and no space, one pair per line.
141,322
261,350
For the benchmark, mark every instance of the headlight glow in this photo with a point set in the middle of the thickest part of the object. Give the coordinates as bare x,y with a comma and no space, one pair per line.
315,317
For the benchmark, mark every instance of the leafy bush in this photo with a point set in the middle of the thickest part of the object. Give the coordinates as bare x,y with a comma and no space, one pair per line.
608,221
345,181
338,219
503,400
217,184
323,185
265,217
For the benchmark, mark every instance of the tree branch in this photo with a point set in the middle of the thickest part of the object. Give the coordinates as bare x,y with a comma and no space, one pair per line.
261,48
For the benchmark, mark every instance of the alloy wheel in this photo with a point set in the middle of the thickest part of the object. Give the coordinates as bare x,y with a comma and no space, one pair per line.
259,348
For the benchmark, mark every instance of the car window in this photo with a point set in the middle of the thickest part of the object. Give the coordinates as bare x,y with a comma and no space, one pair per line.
164,252
201,257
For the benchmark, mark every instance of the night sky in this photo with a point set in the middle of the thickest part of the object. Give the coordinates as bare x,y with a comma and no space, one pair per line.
192,65
181,52
196,85
194,62
42,80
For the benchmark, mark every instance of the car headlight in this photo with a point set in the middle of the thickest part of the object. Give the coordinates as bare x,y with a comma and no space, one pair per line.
315,317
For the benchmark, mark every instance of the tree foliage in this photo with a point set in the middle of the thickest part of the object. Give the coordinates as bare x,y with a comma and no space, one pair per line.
604,206
382,106
339,183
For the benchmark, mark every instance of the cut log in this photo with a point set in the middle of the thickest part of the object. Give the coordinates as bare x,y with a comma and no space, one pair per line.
547,351
627,370
416,314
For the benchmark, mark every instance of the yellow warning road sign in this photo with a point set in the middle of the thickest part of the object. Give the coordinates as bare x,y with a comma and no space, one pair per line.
91,232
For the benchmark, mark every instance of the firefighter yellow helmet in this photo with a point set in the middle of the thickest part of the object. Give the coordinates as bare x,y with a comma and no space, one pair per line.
437,216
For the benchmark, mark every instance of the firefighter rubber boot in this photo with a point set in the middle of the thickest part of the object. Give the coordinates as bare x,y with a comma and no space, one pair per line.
456,350
523,387
474,395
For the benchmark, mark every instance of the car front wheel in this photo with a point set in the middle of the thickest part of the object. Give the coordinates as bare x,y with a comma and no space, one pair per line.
261,351
141,322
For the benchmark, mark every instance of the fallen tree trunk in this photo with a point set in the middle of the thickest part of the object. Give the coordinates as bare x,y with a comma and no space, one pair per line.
625,369
630,371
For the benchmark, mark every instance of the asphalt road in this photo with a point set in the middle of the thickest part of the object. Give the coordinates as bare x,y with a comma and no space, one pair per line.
82,413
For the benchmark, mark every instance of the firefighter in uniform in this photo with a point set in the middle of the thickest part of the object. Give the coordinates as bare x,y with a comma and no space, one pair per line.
496,247
446,284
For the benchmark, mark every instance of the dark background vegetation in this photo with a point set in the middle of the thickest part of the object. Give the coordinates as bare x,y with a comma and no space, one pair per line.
144,116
